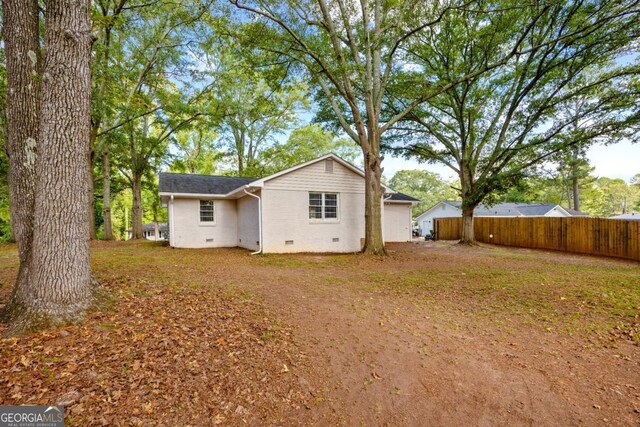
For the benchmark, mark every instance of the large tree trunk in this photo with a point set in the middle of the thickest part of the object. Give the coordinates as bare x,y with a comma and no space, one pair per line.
136,217
468,205
90,196
60,288
22,48
106,196
468,236
374,243
574,179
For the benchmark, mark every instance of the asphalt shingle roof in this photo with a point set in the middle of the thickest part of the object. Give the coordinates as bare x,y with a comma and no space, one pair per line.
635,216
200,184
512,209
162,226
402,197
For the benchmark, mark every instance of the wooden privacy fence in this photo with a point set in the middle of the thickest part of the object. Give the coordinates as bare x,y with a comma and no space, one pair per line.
596,236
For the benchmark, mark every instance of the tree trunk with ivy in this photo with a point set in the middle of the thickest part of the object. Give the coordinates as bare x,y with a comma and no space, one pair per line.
22,47
60,286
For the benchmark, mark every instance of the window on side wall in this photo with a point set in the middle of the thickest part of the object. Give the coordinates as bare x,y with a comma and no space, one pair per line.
207,211
323,206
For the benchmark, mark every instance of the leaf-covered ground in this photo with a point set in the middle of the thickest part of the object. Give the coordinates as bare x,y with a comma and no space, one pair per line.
437,334
169,353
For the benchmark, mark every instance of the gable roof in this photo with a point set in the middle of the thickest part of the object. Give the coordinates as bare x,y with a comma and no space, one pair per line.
192,185
401,197
181,183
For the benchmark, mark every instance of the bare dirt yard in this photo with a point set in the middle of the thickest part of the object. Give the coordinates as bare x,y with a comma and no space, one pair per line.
435,334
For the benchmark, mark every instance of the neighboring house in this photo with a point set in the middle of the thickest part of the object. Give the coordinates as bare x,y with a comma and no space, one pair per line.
630,216
149,231
450,209
317,206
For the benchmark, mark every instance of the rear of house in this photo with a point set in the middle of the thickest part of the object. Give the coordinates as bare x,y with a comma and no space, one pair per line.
317,206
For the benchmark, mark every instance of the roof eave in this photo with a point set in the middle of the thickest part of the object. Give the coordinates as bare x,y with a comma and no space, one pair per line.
193,195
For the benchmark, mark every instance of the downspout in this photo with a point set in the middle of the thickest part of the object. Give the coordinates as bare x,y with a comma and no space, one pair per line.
259,221
171,222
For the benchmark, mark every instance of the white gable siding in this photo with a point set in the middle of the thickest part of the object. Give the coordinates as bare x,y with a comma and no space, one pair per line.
248,223
285,211
441,210
555,212
188,232
314,177
396,225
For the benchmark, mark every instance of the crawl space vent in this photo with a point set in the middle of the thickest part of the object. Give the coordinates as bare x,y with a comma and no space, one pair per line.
288,242
336,239
209,240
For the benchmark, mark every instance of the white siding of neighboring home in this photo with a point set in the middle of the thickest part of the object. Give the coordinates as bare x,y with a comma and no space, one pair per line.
285,211
555,212
441,210
248,225
397,222
189,232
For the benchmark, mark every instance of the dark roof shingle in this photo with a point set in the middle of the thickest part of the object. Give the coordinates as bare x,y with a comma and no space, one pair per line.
401,197
200,184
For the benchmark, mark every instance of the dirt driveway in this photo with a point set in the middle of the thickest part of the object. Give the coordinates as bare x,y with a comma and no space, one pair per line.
431,337
436,334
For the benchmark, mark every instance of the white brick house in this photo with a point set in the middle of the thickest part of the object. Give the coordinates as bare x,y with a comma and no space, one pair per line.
317,206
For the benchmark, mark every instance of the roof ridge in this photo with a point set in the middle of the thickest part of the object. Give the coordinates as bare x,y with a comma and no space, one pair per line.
206,175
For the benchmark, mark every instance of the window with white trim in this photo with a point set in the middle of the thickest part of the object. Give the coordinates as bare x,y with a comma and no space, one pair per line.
207,211
323,206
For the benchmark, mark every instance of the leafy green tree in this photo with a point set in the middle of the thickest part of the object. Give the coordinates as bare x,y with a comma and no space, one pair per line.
159,88
611,197
195,152
304,144
255,105
492,128
427,186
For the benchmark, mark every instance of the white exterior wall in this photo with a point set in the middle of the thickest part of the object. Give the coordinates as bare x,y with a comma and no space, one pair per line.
555,212
396,225
248,223
189,232
285,210
441,210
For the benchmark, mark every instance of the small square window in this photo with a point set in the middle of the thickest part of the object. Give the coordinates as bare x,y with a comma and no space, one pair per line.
207,211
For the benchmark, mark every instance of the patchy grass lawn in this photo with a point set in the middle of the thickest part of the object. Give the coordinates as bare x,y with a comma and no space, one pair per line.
436,333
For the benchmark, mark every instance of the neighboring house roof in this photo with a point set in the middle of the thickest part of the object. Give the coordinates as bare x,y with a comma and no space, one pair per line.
182,183
508,209
193,185
574,212
401,197
634,216
162,226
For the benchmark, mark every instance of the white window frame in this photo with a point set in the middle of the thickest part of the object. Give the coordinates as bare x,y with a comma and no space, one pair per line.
206,223
323,206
